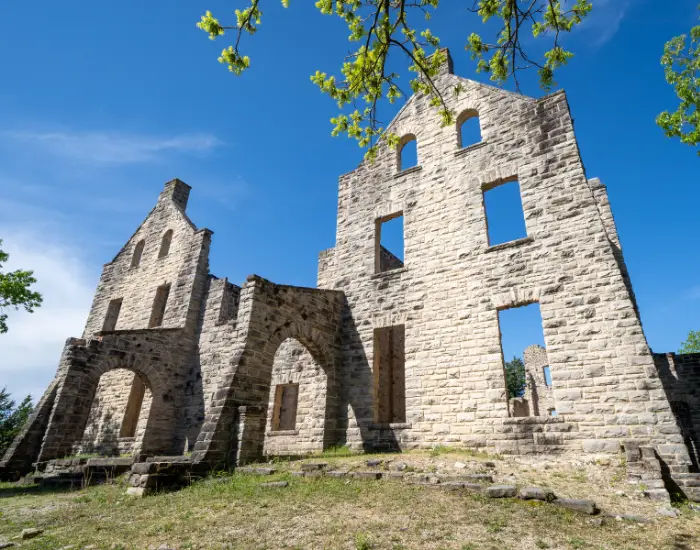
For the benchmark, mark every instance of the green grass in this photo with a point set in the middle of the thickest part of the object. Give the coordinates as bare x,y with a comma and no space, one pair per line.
232,510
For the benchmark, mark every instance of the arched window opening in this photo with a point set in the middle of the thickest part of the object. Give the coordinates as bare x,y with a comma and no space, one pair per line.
138,252
297,402
165,243
468,128
408,152
118,415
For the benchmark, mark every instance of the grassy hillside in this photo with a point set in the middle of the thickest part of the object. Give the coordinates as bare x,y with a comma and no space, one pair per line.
235,511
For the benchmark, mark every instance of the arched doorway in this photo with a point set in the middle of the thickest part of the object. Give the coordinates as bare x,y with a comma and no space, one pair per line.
297,404
118,415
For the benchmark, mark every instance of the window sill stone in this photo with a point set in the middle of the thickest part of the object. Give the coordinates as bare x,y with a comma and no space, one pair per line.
274,433
390,272
391,426
469,148
510,244
407,171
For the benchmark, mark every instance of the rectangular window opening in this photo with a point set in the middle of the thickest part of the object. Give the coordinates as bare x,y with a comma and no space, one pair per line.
112,315
389,375
159,303
284,416
389,241
505,219
547,376
133,408
524,355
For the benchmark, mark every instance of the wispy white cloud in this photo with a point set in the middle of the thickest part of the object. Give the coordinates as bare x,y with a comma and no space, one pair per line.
602,24
30,350
112,147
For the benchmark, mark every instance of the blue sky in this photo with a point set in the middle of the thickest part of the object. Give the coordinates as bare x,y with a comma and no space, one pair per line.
100,106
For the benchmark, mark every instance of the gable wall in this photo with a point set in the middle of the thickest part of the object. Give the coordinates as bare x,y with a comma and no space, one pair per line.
453,284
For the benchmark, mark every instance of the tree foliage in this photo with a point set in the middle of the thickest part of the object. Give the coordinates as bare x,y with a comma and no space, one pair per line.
682,70
380,27
692,344
515,377
12,418
15,290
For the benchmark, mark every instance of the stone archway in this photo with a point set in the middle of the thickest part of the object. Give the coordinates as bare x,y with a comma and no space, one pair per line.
296,414
83,365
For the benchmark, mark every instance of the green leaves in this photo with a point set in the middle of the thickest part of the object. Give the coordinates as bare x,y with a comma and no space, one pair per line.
515,377
692,344
15,291
12,418
682,71
507,56
380,27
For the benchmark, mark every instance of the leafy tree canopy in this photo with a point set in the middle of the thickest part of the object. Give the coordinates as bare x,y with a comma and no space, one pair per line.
681,62
381,27
515,377
15,291
692,344
12,418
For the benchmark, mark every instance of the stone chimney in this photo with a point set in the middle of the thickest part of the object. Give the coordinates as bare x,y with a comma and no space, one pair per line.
177,191
446,67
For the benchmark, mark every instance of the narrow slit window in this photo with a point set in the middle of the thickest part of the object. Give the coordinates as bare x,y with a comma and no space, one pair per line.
285,412
524,356
112,315
468,128
138,252
389,253
408,152
505,219
133,408
165,243
547,376
159,303
389,375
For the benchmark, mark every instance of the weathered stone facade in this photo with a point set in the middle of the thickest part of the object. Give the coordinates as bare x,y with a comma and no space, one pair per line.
387,353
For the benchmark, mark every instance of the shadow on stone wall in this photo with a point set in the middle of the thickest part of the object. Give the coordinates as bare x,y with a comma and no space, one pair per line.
680,377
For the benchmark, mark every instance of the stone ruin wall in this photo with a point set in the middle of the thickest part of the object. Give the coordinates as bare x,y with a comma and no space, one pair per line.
539,397
294,364
680,376
453,284
102,433
185,269
215,363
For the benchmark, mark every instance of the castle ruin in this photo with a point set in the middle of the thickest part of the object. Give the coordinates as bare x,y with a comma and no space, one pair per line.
388,352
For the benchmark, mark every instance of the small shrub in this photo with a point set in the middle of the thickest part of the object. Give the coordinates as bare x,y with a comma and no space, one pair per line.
362,542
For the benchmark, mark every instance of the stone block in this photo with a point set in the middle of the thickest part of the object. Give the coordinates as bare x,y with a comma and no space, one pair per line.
500,491
579,505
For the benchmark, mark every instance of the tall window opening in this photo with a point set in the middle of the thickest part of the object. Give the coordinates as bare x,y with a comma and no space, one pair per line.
285,412
159,303
133,408
112,315
389,375
389,243
138,252
468,128
505,219
525,365
165,243
408,152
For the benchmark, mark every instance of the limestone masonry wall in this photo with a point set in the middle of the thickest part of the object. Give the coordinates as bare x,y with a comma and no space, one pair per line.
384,354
